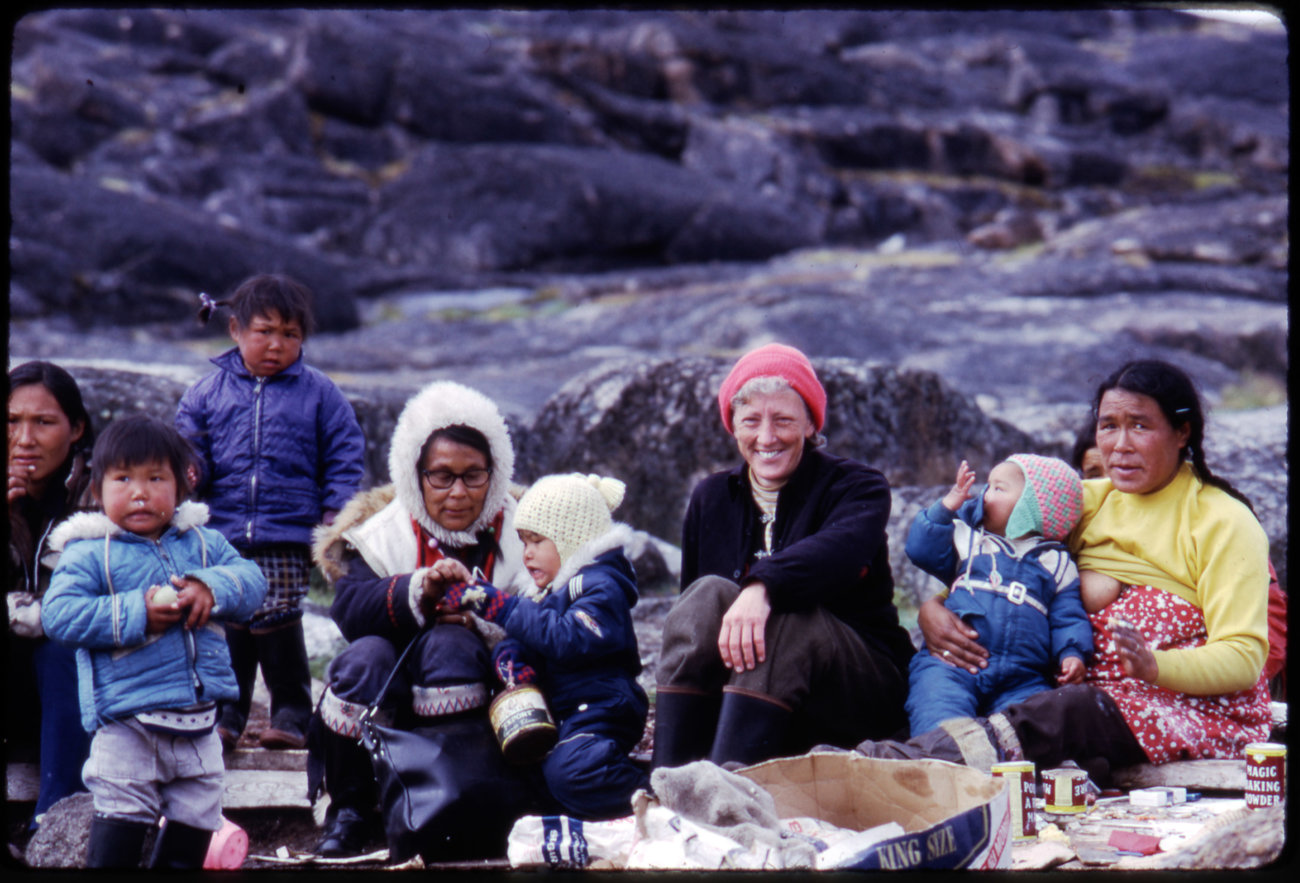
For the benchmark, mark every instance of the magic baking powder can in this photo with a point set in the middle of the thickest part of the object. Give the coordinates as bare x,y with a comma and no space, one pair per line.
1020,790
1265,774
1065,790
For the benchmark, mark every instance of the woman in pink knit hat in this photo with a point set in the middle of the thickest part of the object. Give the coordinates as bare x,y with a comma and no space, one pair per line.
785,635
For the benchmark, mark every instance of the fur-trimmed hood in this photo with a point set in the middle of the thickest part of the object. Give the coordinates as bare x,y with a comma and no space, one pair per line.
376,524
437,406
96,526
617,537
328,539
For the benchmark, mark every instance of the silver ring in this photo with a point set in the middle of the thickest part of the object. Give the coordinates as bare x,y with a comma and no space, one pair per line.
947,653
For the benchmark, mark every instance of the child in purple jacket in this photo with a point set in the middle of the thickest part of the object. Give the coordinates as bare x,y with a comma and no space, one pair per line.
281,452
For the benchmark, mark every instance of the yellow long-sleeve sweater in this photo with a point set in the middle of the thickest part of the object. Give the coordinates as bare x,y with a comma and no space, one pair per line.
1196,541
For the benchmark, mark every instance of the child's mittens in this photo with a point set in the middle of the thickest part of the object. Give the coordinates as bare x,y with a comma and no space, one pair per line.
484,599
509,663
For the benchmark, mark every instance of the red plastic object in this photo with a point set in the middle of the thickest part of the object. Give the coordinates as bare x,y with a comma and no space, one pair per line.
1131,841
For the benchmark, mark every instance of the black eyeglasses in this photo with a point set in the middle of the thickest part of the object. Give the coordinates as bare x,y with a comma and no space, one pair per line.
443,479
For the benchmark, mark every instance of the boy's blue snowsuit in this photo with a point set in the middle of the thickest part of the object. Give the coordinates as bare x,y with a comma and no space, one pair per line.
581,641
1022,596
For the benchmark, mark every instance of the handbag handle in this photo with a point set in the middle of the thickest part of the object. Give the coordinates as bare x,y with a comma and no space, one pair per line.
379,700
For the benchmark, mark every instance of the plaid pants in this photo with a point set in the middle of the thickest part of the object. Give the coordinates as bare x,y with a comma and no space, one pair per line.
287,569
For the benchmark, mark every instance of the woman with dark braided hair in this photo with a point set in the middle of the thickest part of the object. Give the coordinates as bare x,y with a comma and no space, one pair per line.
1181,648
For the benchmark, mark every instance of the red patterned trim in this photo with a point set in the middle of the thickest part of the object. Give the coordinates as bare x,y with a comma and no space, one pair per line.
392,613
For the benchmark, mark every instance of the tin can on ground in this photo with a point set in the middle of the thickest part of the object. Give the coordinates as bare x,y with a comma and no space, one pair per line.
1265,774
1020,790
1065,790
523,724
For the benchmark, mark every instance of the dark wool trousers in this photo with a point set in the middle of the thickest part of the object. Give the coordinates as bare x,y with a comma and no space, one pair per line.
840,690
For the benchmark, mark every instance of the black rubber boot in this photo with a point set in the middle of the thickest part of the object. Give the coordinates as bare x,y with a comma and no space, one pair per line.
684,725
115,843
283,654
751,728
243,659
352,820
180,847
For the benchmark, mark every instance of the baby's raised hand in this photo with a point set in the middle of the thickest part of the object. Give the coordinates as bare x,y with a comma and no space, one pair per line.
960,491
1072,670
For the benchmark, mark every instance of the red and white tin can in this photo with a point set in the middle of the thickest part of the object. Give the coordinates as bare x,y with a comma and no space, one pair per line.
1021,788
1265,774
1065,790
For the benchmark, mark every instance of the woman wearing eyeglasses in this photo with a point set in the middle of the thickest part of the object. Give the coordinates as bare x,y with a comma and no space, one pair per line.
447,515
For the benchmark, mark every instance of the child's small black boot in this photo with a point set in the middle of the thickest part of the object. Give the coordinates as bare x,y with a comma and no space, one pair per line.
115,843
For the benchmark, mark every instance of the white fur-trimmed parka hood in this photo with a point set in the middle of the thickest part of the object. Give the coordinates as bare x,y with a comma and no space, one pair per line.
437,406
376,522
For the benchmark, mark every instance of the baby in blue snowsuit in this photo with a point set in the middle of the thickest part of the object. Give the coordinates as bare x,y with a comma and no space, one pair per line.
1011,578
573,638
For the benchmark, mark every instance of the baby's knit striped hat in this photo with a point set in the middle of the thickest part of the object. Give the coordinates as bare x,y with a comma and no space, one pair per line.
1052,500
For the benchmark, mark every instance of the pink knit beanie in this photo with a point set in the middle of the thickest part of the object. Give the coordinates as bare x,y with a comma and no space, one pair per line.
775,360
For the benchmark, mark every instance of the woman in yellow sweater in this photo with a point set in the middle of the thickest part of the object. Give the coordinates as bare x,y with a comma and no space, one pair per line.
1174,565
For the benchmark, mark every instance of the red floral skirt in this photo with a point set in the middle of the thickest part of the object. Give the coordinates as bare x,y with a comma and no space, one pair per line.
1167,724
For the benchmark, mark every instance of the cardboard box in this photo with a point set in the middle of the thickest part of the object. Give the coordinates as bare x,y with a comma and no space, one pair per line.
953,816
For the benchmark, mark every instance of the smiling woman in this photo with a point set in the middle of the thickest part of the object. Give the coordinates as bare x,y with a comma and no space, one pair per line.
50,438
785,634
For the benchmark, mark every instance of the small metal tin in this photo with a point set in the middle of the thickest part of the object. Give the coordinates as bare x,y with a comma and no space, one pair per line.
1065,790
1265,774
1021,787
523,724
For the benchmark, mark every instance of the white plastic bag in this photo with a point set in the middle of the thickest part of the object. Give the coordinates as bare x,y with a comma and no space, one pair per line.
564,842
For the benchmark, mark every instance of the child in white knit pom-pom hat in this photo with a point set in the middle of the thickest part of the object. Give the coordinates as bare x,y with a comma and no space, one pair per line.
573,638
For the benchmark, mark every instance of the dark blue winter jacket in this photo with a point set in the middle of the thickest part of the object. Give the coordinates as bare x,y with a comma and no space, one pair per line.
277,452
581,640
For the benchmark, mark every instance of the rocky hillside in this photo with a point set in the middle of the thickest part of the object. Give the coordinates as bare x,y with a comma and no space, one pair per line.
966,218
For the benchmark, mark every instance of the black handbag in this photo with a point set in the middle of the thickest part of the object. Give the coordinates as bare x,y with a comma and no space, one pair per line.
445,791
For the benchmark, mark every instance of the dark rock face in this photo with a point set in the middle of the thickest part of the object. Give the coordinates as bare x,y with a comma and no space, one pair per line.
966,219
378,151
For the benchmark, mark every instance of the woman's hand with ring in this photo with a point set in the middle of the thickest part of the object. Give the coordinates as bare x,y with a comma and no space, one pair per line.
951,639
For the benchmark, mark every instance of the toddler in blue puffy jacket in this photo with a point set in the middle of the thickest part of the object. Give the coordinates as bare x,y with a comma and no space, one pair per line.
281,452
138,590
1011,578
